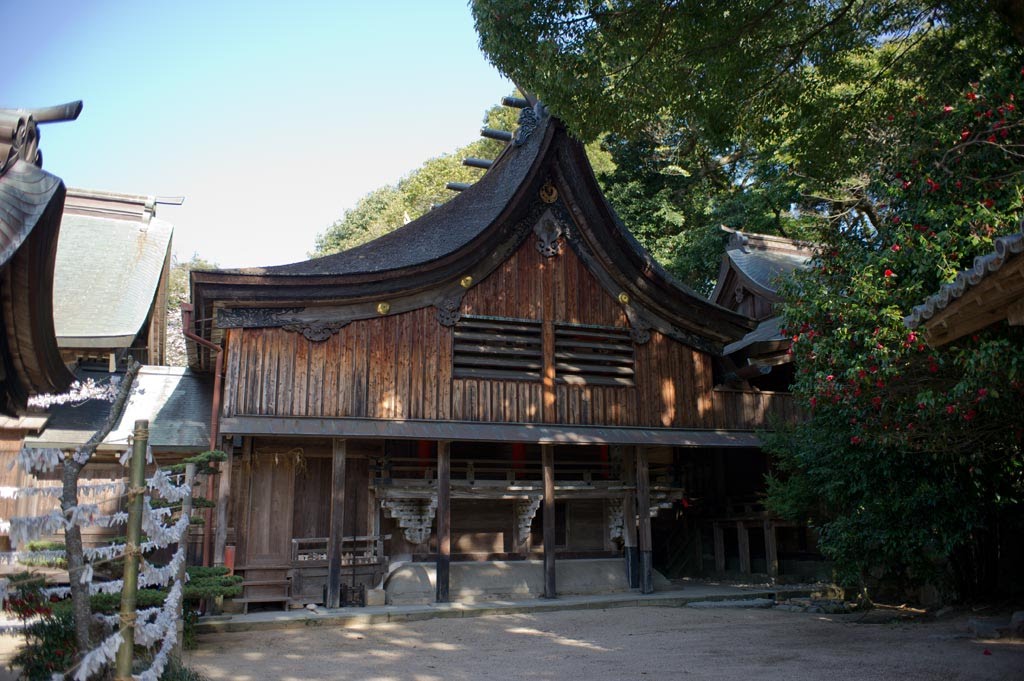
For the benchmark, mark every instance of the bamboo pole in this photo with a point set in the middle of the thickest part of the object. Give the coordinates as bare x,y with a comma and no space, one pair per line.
123,663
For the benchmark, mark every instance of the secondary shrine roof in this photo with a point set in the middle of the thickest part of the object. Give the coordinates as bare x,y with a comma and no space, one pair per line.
110,256
762,260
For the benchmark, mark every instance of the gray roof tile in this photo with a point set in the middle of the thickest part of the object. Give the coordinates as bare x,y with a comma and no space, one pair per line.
106,276
176,401
1006,248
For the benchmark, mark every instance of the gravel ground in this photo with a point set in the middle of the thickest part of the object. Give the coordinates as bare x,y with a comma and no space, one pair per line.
621,643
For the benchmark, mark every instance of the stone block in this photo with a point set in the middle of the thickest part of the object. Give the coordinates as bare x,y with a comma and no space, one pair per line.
1017,624
986,628
375,597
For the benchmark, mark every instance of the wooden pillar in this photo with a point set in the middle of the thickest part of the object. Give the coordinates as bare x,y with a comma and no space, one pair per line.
444,520
547,453
243,503
629,548
698,546
643,510
719,549
220,540
337,526
743,540
771,549
548,411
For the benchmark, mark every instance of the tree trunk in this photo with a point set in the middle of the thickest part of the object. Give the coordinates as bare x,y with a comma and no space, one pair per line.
80,607
76,558
1011,13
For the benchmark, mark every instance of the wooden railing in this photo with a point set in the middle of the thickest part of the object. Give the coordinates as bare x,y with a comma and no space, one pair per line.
358,550
746,410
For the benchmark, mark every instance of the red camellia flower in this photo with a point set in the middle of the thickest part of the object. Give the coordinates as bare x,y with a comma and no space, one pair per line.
950,409
969,416
855,440
964,134
988,203
888,273
971,96
895,248
982,392
947,108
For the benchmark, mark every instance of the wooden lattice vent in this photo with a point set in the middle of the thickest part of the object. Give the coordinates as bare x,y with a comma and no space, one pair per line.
498,348
593,355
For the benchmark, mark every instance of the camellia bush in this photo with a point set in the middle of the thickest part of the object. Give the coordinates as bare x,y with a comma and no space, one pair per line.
910,462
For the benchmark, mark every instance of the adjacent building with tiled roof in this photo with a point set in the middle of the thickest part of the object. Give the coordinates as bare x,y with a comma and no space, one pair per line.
752,267
989,292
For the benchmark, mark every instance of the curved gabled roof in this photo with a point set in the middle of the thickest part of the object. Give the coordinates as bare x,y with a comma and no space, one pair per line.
423,262
30,208
436,234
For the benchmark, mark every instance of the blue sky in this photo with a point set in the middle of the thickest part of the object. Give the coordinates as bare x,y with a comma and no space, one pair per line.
270,118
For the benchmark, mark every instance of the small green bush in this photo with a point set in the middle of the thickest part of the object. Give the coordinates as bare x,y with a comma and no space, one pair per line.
211,582
176,671
40,545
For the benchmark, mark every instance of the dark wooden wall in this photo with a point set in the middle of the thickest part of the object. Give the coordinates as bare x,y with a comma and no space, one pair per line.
400,366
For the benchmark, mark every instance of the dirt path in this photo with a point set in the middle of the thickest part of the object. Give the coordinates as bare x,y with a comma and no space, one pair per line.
608,645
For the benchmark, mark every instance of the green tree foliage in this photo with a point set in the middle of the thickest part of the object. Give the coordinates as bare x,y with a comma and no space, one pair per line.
674,194
178,293
911,462
760,114
888,133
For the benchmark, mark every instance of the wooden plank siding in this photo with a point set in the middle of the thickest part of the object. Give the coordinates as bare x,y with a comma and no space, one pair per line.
396,367
400,366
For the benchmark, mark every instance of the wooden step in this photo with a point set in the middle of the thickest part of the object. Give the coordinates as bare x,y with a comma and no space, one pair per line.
266,583
284,600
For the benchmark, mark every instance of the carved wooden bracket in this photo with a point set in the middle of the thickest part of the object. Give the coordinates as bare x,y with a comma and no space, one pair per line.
640,329
449,309
316,331
549,231
414,516
526,510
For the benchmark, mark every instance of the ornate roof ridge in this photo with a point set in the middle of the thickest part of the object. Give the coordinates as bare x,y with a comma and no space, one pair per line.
751,241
